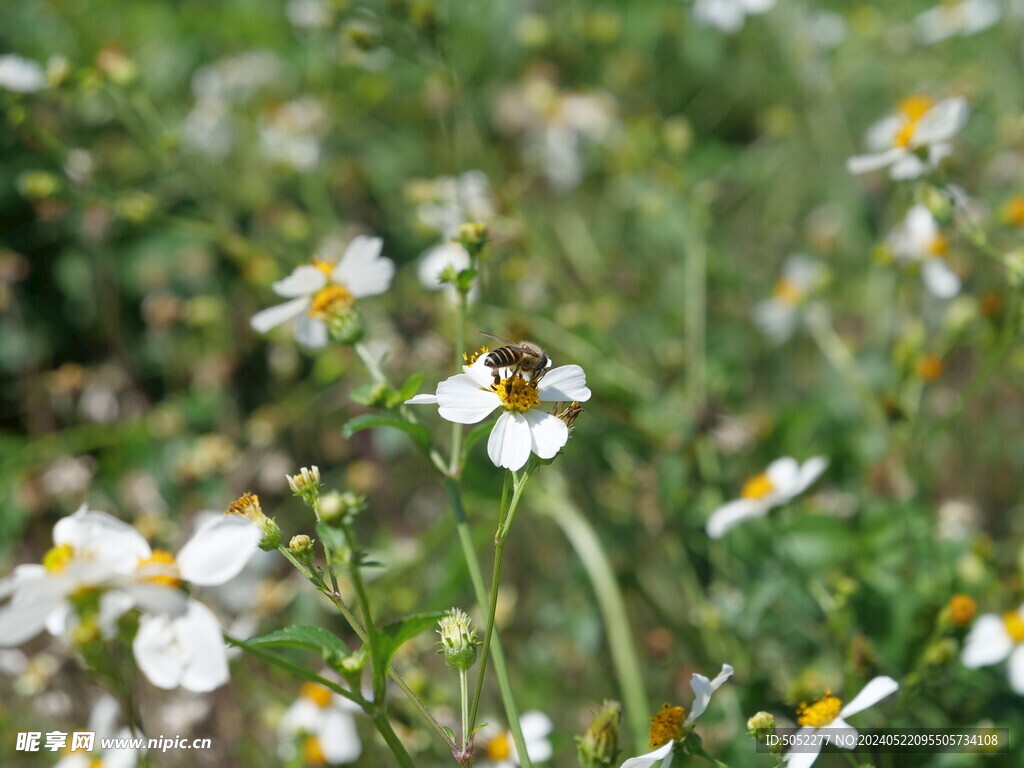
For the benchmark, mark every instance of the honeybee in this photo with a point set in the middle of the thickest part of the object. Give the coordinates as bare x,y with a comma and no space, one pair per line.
521,357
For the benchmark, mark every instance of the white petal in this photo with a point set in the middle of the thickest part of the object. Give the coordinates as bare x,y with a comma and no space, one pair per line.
310,332
338,737
272,317
510,441
776,320
808,753
702,690
547,433
23,620
564,384
422,400
303,281
842,734
988,642
103,537
921,228
645,761
784,475
535,725
157,653
461,400
200,634
942,122
728,516
882,134
157,599
941,281
481,373
809,472
219,550
909,167
1015,667
867,163
437,260
872,693
302,715
362,270
21,75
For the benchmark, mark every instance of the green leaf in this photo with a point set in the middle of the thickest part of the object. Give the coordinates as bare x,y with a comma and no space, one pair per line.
449,732
418,433
410,387
392,636
332,538
316,639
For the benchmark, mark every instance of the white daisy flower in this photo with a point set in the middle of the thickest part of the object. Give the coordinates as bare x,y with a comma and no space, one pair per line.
323,723
103,721
454,200
918,239
779,316
320,290
495,747
829,712
669,725
21,75
437,260
471,396
781,481
914,140
728,15
290,133
952,18
994,638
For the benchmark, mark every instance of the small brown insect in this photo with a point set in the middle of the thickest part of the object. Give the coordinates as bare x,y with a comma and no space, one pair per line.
521,357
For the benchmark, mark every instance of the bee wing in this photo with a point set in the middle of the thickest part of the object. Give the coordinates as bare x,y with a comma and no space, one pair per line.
499,338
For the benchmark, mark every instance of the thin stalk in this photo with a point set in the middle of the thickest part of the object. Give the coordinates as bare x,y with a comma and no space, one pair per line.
383,725
585,542
497,653
695,273
460,345
364,604
367,359
464,691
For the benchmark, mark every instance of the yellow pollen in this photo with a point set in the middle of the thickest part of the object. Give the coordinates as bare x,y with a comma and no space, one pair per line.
915,107
666,725
1014,624
330,302
1013,211
939,246
472,357
757,487
961,609
820,713
788,292
312,753
57,558
315,693
517,394
499,748
324,266
159,568
246,505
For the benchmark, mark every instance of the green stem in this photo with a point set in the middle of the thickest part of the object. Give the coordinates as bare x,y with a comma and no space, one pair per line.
497,653
371,365
364,604
695,275
464,691
383,725
585,542
460,345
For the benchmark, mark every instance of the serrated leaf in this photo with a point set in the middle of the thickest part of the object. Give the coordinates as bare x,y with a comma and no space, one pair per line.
388,639
316,639
418,433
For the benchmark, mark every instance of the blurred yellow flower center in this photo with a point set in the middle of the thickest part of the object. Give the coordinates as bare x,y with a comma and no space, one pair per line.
788,292
1014,624
56,559
499,748
517,394
961,609
315,693
159,568
939,246
820,713
930,367
911,109
96,763
312,754
1014,210
757,487
666,725
330,302
324,266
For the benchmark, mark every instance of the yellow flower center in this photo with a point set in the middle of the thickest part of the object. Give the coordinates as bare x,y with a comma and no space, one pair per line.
57,558
324,266
499,748
939,246
757,487
820,713
930,367
330,302
788,292
96,763
1014,210
1014,624
911,109
517,394
159,568
666,725
961,609
312,753
316,693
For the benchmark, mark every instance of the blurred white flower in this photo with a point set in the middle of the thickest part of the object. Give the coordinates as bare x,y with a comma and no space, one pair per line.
994,638
103,721
951,18
778,316
784,479
918,239
437,260
454,200
321,722
497,750
914,140
309,14
318,289
208,128
471,396
668,725
290,133
829,712
238,78
21,75
728,15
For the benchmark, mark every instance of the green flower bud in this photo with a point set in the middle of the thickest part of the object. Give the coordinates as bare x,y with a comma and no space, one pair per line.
598,747
306,485
302,547
248,506
336,508
346,327
458,640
